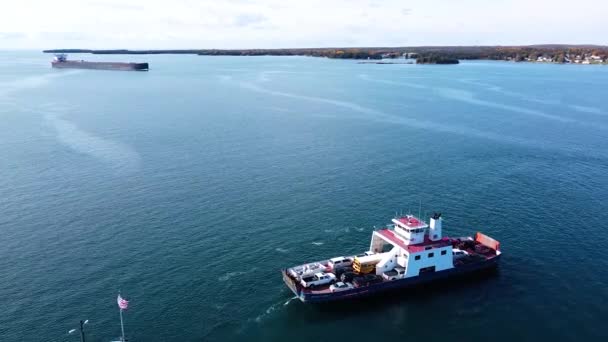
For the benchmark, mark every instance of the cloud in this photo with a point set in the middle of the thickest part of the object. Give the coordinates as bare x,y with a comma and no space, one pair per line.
148,24
118,6
249,19
12,35
62,35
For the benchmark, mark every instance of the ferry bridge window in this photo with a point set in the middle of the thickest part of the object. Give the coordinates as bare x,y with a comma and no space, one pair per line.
431,255
417,257
386,248
443,252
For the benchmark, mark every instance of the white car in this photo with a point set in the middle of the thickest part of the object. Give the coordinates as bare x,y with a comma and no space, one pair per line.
341,286
307,270
340,262
318,279
396,273
367,253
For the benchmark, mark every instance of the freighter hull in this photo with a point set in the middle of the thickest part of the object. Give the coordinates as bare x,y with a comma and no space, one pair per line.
396,285
100,65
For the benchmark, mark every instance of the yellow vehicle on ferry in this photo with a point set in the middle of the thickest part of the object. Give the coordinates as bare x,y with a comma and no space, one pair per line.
366,264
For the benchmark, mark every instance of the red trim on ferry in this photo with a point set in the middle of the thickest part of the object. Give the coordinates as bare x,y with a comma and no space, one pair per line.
392,237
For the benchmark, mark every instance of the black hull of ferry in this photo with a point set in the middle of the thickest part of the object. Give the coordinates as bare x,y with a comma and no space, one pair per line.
100,65
395,285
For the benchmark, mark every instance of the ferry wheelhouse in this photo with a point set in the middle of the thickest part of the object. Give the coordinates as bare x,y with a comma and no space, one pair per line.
406,253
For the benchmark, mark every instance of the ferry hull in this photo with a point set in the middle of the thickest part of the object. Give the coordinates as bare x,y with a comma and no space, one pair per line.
100,65
308,297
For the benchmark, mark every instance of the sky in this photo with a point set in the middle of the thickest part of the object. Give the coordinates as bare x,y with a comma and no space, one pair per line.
240,24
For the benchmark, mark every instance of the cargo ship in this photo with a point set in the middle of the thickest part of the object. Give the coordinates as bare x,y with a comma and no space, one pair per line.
409,252
61,61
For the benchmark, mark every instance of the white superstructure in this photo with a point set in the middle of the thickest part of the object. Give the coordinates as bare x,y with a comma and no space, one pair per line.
413,245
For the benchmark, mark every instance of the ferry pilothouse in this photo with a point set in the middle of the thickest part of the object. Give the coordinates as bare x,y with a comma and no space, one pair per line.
408,252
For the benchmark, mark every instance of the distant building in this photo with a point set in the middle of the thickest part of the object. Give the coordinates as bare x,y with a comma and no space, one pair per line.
543,59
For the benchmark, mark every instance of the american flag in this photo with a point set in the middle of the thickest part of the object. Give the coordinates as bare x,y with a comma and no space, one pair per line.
123,304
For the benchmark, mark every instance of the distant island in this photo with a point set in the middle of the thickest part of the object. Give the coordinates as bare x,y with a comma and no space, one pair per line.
578,54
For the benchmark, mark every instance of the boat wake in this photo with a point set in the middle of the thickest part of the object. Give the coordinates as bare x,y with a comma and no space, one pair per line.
405,84
268,311
230,275
274,307
32,82
289,300
585,109
121,157
224,78
317,243
470,98
379,116
502,91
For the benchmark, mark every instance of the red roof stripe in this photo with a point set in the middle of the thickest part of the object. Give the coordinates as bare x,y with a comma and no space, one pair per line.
391,236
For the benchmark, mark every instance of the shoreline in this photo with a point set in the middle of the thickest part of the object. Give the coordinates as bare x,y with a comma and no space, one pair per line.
554,54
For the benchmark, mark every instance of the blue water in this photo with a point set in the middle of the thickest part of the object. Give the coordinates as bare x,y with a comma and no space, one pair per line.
188,187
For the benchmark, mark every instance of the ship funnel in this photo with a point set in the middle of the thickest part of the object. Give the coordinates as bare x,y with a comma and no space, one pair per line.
435,227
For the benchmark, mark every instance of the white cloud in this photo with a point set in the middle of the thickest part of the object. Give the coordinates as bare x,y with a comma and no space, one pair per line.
283,23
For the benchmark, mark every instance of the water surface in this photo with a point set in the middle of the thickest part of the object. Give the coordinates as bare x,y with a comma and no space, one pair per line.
189,186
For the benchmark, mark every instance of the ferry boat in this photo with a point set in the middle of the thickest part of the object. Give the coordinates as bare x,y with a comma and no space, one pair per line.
407,253
61,61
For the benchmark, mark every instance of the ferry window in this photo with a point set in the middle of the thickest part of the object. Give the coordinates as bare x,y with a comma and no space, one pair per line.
417,257
443,252
431,255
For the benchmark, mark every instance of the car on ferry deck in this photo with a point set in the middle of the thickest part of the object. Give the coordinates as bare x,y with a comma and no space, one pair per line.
340,286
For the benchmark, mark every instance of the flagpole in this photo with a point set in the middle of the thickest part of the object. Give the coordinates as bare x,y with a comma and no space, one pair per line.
122,327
